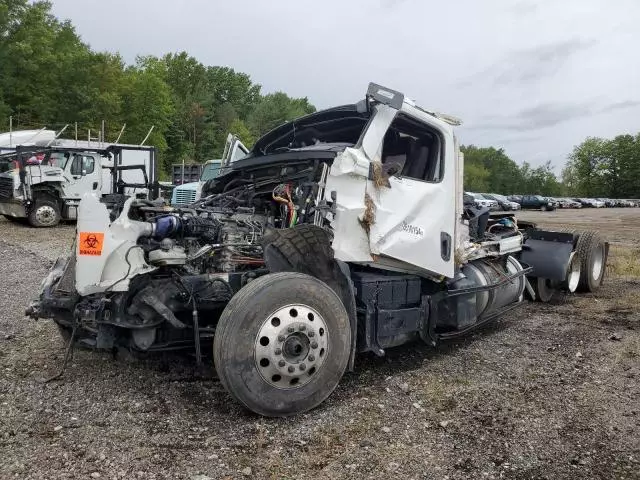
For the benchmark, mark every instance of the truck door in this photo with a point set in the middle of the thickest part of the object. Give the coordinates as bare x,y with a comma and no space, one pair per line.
84,174
414,215
233,150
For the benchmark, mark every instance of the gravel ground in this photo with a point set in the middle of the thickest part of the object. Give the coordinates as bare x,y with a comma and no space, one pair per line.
550,392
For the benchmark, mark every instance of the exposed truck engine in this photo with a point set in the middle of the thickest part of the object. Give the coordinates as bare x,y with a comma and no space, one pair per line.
343,232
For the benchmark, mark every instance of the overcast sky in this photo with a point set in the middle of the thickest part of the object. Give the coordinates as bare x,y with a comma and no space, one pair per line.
533,76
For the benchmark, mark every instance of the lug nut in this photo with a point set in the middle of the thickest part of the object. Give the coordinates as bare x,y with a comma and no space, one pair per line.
314,345
278,351
311,358
303,366
291,369
303,328
282,363
311,333
281,338
290,329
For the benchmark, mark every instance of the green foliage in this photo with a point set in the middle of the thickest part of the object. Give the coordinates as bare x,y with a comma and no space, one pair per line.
605,168
490,170
239,128
275,109
49,77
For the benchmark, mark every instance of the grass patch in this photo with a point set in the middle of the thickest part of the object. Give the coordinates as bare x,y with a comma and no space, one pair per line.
624,261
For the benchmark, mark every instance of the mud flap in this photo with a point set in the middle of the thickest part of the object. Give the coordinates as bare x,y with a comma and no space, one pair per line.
549,253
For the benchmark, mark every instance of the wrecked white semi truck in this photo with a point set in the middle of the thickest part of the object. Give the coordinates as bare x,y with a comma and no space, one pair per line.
343,231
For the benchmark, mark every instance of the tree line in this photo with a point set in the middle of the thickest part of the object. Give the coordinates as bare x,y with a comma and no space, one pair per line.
490,170
605,168
49,77
597,168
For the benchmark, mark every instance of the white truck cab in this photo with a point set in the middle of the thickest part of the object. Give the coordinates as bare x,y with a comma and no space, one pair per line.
342,231
190,192
44,185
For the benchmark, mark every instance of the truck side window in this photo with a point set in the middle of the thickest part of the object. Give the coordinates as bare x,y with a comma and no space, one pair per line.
76,165
89,164
411,150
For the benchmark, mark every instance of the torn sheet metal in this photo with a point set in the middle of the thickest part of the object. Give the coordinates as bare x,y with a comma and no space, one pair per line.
350,241
410,217
404,221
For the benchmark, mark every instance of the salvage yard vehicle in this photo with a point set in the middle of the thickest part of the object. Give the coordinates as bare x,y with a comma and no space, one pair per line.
308,251
483,202
43,185
538,202
503,202
567,203
190,192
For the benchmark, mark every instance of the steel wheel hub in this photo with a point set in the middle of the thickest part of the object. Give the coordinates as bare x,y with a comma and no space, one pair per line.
45,214
291,346
573,277
598,261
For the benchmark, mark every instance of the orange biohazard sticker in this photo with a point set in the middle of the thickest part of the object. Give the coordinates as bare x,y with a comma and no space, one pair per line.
90,243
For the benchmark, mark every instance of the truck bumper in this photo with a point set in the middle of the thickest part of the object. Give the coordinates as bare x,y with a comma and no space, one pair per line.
12,209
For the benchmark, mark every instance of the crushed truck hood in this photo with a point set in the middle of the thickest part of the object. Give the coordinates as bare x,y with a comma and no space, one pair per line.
337,125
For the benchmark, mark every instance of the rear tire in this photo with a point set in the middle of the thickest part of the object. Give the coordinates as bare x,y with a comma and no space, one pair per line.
543,289
44,213
591,249
282,344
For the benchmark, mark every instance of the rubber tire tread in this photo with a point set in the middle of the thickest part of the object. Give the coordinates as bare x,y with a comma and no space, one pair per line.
252,300
297,244
588,241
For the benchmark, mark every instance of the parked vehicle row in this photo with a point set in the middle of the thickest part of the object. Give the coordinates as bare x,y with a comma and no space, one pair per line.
481,201
596,203
495,201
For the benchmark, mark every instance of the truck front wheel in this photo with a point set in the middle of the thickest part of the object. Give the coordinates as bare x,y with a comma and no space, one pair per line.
44,213
282,344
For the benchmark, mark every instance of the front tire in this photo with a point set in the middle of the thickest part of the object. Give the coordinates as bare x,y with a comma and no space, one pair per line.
282,344
45,213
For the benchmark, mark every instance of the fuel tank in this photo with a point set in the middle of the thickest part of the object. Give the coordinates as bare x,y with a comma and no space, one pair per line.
460,311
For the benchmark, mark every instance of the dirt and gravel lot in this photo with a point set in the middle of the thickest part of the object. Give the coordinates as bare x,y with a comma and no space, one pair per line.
552,391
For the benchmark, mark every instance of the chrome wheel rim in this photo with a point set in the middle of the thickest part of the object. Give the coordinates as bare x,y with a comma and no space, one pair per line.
573,277
598,262
46,215
291,346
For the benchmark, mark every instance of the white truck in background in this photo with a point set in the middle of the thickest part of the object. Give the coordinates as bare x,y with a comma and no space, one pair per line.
42,181
190,192
187,193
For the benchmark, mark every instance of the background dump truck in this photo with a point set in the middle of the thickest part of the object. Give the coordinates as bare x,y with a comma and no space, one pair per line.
189,192
343,231
192,191
43,185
